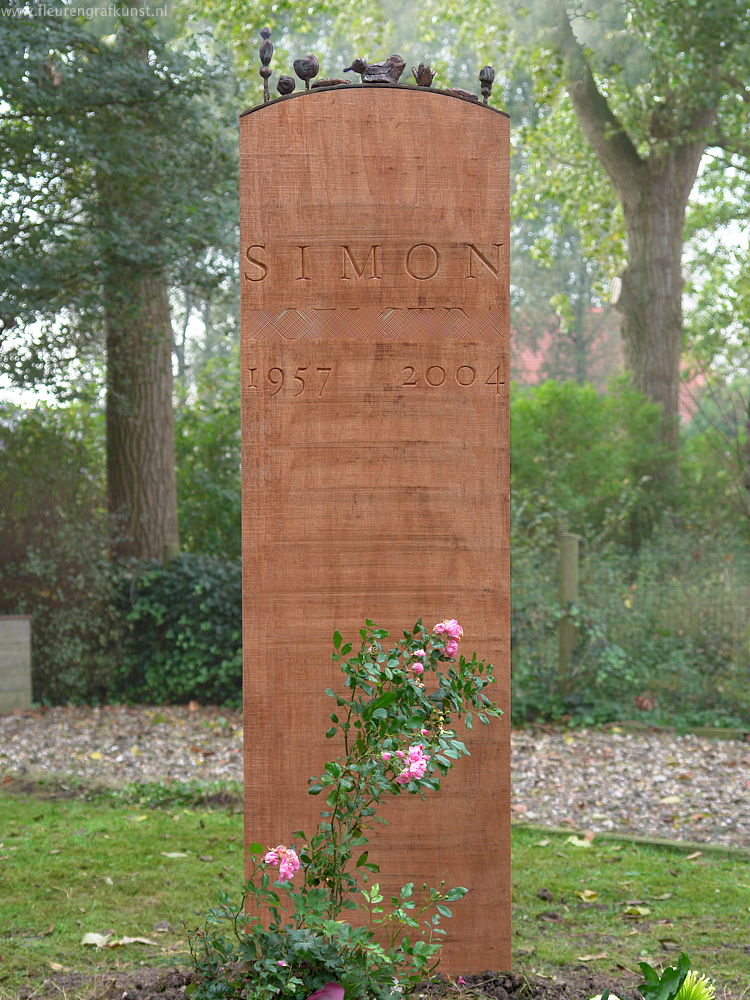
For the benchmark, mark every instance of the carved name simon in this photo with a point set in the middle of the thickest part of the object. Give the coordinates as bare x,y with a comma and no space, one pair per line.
373,262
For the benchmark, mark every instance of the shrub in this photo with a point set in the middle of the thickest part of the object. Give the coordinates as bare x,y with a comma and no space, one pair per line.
53,546
183,632
663,633
586,462
207,442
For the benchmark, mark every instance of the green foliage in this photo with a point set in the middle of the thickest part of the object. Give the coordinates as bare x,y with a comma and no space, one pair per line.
54,537
182,638
303,944
585,462
118,157
663,632
207,440
666,986
696,987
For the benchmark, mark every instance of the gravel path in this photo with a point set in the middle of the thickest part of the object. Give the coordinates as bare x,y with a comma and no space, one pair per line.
679,787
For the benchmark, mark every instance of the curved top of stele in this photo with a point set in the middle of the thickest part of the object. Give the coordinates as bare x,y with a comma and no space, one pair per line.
355,87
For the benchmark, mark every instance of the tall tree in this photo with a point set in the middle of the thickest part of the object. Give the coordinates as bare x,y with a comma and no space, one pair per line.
118,168
652,85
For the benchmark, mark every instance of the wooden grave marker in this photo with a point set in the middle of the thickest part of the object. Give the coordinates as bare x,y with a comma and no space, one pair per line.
374,260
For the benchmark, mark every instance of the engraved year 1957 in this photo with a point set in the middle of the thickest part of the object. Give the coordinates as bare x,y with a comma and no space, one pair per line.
298,381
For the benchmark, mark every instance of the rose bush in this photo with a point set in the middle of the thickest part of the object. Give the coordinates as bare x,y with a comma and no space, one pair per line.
395,729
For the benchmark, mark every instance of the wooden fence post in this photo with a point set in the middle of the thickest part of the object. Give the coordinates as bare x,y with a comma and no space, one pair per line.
567,631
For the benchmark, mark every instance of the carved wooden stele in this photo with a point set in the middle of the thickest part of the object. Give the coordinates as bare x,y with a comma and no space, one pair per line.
374,259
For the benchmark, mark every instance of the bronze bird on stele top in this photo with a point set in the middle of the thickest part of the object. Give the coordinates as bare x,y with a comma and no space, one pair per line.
306,68
385,72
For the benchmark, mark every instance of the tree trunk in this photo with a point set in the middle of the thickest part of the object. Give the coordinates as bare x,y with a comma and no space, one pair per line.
651,298
141,476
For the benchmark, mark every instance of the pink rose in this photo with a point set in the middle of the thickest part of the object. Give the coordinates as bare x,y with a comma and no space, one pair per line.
450,648
421,653
418,767
418,668
425,732
386,755
449,627
286,859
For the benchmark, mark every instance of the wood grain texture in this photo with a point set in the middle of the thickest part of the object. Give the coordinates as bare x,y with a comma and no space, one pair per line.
375,452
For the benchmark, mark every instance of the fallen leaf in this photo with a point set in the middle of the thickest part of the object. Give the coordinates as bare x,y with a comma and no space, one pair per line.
665,895
120,942
636,912
546,895
205,857
56,850
139,819
587,895
107,880
98,940
173,854
95,755
669,942
592,958
542,843
670,800
694,855
56,967
578,842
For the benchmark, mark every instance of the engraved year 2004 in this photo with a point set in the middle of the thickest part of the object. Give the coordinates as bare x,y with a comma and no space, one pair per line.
304,379
437,375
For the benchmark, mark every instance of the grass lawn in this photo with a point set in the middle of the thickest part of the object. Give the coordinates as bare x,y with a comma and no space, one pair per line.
69,867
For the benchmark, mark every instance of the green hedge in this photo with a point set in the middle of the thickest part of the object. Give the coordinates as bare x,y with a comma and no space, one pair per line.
182,636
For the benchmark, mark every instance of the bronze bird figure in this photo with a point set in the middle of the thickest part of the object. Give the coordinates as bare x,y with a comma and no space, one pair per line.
335,82
424,75
460,92
486,76
306,68
286,85
385,72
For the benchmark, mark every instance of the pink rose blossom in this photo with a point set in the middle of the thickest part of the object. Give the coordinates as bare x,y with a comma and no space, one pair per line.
450,648
331,991
418,668
421,653
417,766
386,755
424,732
282,963
400,753
461,981
449,627
286,859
